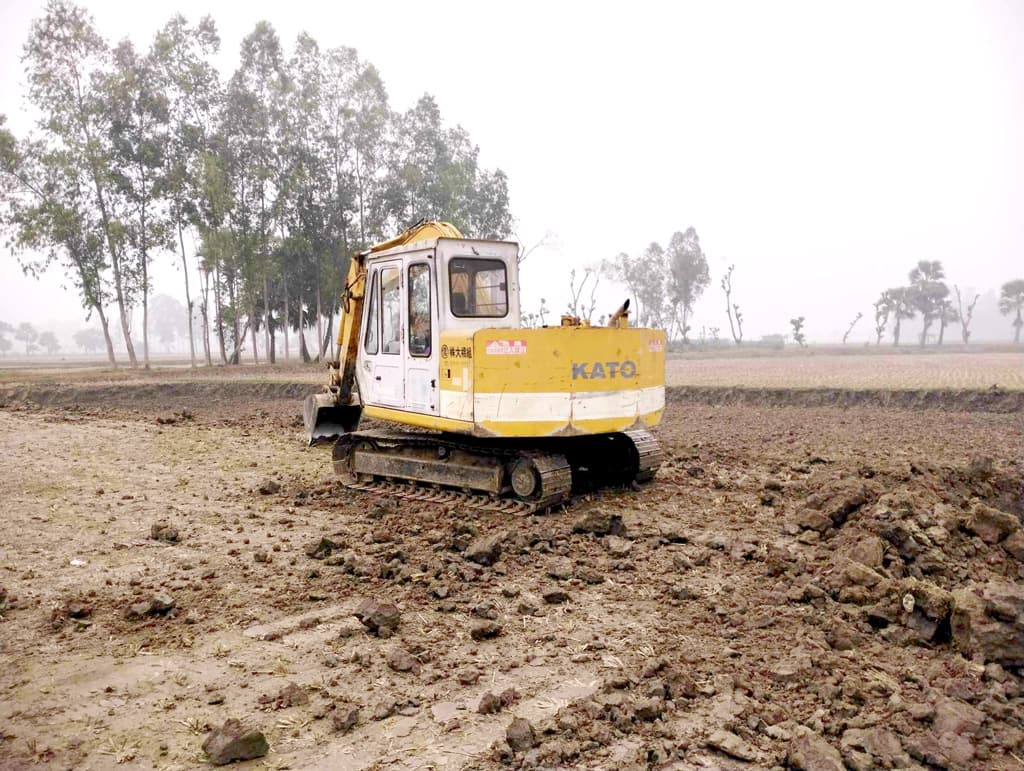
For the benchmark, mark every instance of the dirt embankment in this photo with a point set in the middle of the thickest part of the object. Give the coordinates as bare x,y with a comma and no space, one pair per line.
990,400
235,395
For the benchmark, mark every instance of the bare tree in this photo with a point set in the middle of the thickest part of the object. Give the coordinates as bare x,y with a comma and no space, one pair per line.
965,318
883,307
577,308
732,308
798,331
548,239
853,323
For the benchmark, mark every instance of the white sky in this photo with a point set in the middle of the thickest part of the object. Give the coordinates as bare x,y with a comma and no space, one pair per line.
821,147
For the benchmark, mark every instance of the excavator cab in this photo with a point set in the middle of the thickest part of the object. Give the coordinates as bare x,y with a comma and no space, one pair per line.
431,338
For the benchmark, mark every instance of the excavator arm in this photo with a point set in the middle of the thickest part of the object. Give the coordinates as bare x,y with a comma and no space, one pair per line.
337,410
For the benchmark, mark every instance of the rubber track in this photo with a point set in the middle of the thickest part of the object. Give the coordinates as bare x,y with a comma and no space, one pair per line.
648,452
555,478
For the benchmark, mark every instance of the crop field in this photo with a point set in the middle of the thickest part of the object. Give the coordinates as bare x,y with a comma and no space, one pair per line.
805,586
897,371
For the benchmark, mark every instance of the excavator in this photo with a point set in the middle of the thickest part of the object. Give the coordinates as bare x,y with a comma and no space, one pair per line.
492,414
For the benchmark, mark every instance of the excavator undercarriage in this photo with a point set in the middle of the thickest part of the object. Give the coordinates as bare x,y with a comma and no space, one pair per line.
511,477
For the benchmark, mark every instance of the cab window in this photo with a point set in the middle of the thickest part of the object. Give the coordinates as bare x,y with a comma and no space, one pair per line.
419,309
478,287
371,338
391,310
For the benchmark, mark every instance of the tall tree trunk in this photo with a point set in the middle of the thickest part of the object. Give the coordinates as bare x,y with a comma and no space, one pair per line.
106,334
188,296
325,341
145,284
220,314
359,184
1017,324
145,313
204,309
942,330
252,329
268,332
233,298
101,200
319,310
287,317
303,349
896,331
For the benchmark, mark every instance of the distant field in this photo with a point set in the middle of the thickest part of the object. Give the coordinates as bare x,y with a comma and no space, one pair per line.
743,368
945,371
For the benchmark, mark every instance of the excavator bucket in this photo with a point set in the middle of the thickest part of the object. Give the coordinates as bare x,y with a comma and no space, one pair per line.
326,420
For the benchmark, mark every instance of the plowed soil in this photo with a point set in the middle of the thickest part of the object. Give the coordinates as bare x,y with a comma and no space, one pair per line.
797,580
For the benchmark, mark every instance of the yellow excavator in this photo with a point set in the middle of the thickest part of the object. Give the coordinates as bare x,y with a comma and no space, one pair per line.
494,415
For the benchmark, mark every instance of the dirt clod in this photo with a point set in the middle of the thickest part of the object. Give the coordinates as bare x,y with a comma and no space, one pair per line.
380,618
808,751
489,704
485,550
400,660
520,735
485,630
599,522
345,718
269,487
555,597
164,531
159,604
233,741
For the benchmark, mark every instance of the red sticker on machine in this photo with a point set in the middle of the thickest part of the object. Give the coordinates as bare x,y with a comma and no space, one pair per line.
505,347
655,346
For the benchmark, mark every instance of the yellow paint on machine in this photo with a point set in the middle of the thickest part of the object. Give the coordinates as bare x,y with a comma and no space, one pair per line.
418,419
559,380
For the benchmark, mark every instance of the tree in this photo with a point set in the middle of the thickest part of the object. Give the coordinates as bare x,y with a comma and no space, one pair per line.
1011,299
901,307
168,320
191,85
48,341
689,275
579,308
883,308
138,131
853,323
947,315
5,344
927,293
48,211
254,96
89,339
798,334
65,59
27,334
731,308
965,317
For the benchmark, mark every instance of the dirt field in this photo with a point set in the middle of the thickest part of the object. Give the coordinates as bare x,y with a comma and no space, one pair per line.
800,587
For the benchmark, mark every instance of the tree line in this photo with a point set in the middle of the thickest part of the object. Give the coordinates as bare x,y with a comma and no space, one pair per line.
260,184
666,282
929,296
29,336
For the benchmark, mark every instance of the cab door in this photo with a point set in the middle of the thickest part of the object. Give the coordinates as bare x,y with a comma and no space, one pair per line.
382,338
421,359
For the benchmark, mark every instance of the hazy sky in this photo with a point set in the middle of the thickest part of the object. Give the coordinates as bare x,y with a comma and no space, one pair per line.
821,147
